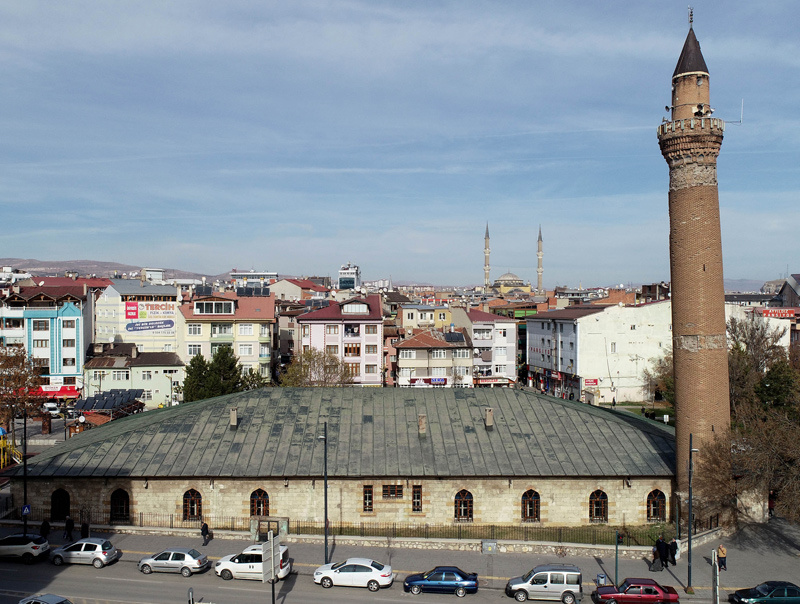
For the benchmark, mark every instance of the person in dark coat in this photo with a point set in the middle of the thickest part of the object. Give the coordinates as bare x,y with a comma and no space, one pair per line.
44,530
205,533
84,530
657,565
69,526
663,550
673,552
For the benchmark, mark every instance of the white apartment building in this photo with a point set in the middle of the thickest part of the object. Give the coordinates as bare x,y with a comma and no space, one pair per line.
434,359
353,332
349,277
494,341
600,353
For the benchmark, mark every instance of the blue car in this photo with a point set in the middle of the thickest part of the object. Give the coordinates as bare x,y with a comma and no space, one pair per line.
442,579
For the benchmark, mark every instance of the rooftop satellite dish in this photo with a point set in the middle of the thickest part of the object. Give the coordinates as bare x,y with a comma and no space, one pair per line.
41,283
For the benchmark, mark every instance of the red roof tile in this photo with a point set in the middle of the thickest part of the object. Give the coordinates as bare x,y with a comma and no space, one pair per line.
333,312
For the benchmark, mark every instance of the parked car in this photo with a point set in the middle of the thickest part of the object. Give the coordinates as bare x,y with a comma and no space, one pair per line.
768,591
26,547
630,591
52,408
548,582
442,579
355,572
45,599
91,550
248,564
183,560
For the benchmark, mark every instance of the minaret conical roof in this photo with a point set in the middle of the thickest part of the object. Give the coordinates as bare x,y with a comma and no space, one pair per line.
691,59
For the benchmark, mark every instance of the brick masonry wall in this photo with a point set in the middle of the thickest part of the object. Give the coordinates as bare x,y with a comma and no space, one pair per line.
564,502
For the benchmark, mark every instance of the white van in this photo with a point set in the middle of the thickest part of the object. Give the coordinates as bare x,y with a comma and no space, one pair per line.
548,582
248,565
52,408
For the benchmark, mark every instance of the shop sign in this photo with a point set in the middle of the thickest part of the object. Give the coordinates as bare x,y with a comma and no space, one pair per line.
590,382
777,313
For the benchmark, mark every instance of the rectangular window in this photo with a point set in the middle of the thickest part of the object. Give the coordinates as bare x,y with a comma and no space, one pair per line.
442,316
571,345
461,353
371,369
68,343
69,324
416,498
410,316
245,350
245,329
40,325
194,329
353,369
352,350
69,362
392,491
221,329
332,330
147,375
408,354
500,351
438,353
406,372
119,376
98,375
561,328
613,347
213,308
41,343
147,395
332,349
367,498
167,348
265,331
461,370
70,380
370,329
483,334
371,349
306,330
193,350
438,371
501,333
498,369
633,327
352,331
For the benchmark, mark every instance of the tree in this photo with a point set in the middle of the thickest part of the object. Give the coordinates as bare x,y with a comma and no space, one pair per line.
660,379
18,380
194,384
779,385
224,373
251,380
316,368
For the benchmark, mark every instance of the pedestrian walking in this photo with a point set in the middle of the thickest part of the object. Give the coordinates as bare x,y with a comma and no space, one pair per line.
205,533
44,530
69,526
722,557
673,552
84,530
663,550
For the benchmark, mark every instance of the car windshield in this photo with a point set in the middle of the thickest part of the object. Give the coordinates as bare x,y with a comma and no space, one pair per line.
624,587
763,589
376,565
338,565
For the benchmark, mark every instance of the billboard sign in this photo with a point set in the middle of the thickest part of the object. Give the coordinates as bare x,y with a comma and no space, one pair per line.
155,318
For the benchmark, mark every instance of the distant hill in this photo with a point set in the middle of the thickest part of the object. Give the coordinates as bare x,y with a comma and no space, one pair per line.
743,285
57,268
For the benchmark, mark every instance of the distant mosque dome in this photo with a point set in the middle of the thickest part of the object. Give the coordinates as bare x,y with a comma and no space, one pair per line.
509,280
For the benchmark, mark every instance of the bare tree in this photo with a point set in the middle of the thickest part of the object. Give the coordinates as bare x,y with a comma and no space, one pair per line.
314,367
18,381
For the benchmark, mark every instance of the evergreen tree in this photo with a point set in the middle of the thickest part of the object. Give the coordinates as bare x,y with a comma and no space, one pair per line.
224,373
195,382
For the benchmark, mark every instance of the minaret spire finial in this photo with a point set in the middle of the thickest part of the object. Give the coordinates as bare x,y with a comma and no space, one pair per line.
691,16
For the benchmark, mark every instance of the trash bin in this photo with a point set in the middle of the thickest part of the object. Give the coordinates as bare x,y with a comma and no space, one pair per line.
601,580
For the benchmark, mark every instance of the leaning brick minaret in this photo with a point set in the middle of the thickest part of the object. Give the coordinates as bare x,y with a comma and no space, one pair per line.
486,251
690,143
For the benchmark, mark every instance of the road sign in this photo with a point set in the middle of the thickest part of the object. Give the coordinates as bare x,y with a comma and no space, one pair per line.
26,510
270,558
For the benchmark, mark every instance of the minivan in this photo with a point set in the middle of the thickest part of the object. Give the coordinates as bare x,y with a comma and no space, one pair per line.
548,582
52,409
248,564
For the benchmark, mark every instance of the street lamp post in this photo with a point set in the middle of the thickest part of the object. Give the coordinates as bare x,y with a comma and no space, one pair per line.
324,438
692,451
25,468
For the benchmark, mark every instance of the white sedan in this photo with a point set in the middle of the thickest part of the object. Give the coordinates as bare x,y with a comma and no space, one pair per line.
355,572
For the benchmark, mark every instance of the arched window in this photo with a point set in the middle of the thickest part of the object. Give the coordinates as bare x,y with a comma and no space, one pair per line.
530,506
463,501
192,505
598,507
120,506
59,505
259,503
656,506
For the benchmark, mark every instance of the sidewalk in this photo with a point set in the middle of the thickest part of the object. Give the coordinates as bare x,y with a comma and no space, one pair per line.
755,554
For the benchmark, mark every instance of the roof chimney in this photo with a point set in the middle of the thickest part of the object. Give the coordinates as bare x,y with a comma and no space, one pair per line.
488,417
422,421
234,418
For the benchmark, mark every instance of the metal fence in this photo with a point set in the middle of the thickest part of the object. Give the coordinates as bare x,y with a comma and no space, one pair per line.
526,531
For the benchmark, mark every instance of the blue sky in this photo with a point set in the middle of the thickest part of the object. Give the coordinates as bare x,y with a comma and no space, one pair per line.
297,136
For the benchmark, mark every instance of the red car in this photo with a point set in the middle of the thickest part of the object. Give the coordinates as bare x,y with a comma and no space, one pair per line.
645,591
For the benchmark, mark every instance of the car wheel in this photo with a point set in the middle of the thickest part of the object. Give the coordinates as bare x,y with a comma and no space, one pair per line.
58,560
326,582
521,595
226,574
27,558
373,585
461,592
186,571
416,589
146,569
568,598
98,563
611,602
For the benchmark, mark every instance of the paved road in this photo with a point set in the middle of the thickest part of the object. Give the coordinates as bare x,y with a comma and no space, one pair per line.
755,554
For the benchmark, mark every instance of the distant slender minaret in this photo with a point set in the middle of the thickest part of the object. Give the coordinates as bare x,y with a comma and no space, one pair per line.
690,143
539,268
486,251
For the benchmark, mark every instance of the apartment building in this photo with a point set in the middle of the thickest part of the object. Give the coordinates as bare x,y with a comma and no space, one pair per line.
352,331
422,316
494,341
435,359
